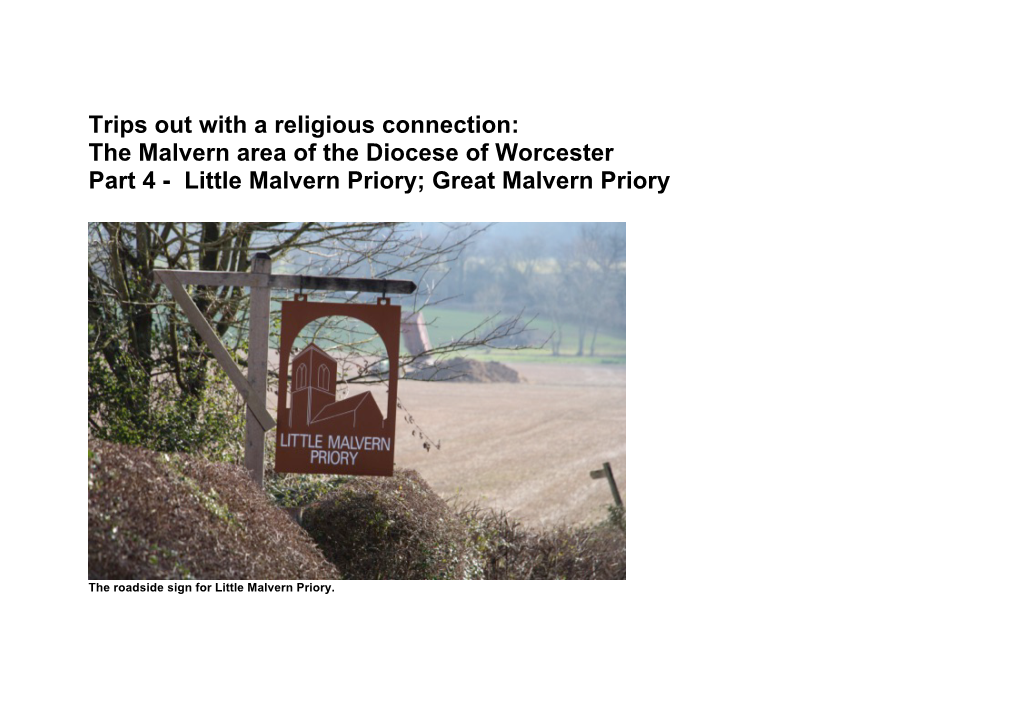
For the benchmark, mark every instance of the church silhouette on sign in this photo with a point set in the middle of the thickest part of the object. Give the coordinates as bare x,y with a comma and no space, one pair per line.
314,403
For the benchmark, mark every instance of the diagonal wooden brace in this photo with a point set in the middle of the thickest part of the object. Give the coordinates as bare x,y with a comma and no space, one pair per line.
221,354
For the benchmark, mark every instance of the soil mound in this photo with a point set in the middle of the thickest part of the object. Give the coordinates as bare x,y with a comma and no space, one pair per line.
466,370
159,516
394,528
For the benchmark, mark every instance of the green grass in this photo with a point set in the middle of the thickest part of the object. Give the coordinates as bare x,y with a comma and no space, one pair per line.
446,324
527,355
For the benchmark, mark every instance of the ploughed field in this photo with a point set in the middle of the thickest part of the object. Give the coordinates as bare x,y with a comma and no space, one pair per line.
526,448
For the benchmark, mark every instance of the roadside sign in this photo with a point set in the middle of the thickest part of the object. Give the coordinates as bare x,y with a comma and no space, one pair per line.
317,431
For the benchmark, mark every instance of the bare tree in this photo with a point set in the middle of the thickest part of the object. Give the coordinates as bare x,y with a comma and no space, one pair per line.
581,281
588,285
599,256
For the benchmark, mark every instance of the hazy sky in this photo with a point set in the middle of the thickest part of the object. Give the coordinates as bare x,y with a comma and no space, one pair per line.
515,231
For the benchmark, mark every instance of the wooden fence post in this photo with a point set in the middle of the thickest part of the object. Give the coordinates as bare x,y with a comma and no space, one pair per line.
607,473
258,369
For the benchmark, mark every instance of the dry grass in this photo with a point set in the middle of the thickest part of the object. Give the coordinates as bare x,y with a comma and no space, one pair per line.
524,447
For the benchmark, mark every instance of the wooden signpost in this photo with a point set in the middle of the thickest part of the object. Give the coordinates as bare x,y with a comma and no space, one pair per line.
253,388
607,472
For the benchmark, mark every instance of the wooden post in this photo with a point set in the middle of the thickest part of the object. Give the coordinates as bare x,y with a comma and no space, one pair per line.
607,473
258,368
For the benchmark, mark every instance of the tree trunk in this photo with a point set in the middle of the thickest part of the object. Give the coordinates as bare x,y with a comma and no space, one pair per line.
142,320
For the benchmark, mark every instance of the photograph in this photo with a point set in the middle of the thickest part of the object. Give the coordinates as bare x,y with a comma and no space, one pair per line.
308,401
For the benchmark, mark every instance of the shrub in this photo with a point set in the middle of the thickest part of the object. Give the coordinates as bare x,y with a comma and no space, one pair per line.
154,414
510,551
391,528
294,490
155,515
160,516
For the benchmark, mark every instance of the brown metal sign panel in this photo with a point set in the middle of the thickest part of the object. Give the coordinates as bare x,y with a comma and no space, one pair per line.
315,431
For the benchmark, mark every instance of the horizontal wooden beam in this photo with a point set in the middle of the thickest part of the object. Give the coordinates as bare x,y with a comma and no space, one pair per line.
294,282
364,285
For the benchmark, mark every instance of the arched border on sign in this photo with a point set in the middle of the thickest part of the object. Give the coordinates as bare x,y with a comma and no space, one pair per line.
384,319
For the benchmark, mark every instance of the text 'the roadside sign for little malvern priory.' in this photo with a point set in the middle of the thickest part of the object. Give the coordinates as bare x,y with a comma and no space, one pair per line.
317,432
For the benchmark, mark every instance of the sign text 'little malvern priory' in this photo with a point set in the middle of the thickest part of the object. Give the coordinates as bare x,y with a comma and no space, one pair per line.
334,450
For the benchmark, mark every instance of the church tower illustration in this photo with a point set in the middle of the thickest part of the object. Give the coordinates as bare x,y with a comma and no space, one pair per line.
314,403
